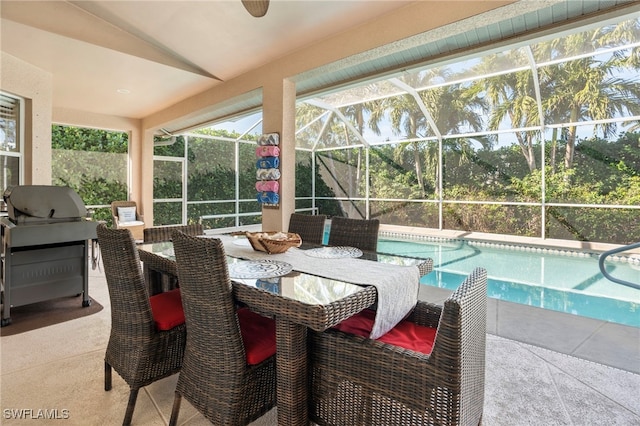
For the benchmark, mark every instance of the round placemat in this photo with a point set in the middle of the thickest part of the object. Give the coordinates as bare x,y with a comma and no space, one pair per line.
334,252
259,269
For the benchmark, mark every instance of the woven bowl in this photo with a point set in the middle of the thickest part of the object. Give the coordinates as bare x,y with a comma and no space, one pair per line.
261,241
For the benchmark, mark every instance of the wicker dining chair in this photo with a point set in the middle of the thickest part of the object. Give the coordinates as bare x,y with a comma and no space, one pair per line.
360,233
436,379
156,234
148,334
229,365
309,227
156,280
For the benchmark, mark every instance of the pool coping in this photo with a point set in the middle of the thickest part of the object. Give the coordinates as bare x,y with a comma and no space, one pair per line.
511,242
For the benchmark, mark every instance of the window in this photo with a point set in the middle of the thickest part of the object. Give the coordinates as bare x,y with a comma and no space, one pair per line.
94,163
11,119
207,176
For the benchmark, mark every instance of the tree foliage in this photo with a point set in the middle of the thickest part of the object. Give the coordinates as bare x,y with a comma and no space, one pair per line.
93,163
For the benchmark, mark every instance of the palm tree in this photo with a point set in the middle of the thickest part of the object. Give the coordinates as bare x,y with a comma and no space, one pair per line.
586,89
511,96
455,109
452,108
407,119
310,123
357,113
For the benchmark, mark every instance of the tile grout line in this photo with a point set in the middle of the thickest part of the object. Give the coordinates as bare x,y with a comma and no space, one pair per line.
156,406
547,365
586,339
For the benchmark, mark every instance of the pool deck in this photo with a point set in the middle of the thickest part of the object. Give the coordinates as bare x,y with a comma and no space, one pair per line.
554,368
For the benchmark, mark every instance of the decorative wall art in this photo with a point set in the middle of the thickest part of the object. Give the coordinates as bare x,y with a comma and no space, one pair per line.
268,170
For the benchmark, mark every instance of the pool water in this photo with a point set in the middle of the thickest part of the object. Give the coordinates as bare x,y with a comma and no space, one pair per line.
566,282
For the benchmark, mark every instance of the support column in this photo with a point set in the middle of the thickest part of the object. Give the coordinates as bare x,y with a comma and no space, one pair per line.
143,158
279,113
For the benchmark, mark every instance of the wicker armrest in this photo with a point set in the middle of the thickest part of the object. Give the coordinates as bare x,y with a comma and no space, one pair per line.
425,267
426,314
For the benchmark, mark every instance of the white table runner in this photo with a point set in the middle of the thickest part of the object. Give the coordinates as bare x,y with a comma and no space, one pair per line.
397,285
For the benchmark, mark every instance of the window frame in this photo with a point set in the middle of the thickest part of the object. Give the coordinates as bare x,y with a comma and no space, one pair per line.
20,131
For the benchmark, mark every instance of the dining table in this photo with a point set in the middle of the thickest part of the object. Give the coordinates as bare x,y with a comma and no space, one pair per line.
311,286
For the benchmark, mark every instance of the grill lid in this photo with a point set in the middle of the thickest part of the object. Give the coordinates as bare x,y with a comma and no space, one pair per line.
43,203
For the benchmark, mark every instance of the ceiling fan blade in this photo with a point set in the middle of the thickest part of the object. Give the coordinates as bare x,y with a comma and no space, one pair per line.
256,8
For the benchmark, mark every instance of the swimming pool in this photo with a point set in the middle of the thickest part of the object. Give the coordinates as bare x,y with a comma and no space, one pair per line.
560,280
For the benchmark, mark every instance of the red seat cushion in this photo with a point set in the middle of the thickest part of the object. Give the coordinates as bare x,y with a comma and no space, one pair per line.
167,309
258,335
405,334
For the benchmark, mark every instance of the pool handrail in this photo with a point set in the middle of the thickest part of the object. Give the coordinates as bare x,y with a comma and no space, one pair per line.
604,272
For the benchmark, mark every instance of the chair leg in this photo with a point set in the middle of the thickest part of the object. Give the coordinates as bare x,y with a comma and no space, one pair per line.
107,376
175,410
133,396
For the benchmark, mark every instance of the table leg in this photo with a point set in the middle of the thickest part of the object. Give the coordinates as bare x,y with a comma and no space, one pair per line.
157,281
152,279
291,370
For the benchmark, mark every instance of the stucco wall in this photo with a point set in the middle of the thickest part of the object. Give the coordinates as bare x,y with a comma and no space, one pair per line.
35,86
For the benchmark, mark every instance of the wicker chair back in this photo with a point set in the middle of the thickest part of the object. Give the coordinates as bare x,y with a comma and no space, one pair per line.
157,281
360,233
138,352
216,378
158,234
309,227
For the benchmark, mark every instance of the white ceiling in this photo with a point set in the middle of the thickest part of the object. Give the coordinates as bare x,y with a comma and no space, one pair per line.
162,51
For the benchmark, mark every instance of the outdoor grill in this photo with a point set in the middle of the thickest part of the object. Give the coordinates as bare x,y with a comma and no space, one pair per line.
45,246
